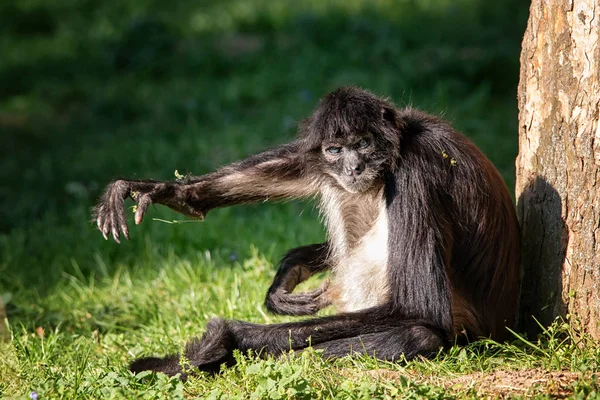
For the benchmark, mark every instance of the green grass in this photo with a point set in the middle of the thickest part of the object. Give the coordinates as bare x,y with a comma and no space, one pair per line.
90,91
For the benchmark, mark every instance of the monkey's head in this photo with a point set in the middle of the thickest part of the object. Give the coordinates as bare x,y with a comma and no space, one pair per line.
357,136
353,161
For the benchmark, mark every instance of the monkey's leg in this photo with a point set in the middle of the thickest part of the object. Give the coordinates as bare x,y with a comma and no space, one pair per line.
298,265
374,332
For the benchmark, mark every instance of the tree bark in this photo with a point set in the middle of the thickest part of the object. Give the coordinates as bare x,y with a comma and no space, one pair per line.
558,197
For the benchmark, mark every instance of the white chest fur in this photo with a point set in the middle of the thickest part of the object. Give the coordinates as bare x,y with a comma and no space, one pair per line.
358,234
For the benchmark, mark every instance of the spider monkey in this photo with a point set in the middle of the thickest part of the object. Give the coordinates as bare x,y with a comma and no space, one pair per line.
423,241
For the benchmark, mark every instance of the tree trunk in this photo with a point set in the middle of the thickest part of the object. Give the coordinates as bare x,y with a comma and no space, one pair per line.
558,199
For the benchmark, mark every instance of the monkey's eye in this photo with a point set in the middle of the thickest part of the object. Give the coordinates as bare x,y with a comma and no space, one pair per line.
333,150
364,143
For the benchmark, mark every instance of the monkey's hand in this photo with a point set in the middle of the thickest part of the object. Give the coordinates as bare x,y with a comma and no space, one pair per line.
282,302
109,213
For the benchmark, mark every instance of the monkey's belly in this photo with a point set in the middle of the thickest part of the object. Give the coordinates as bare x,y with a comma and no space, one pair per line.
360,279
360,289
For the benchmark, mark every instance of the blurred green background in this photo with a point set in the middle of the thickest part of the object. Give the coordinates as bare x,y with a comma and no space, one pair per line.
94,90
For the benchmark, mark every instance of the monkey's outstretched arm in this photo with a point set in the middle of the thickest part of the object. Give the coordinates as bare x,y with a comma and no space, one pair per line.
279,173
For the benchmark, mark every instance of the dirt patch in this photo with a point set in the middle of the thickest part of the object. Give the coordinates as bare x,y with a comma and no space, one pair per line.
557,384
497,384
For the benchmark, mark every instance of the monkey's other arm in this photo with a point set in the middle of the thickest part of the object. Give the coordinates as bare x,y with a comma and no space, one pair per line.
279,173
298,265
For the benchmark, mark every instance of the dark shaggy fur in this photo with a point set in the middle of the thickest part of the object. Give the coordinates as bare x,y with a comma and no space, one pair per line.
448,266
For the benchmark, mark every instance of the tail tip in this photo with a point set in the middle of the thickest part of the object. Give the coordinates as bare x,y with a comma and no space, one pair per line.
168,366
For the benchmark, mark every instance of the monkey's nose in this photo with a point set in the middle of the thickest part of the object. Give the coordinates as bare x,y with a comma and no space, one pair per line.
355,169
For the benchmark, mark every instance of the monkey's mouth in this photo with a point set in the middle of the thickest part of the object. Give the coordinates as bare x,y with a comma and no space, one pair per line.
354,184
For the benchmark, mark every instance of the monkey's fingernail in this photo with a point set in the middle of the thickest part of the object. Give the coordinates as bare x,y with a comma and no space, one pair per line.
138,218
105,236
115,234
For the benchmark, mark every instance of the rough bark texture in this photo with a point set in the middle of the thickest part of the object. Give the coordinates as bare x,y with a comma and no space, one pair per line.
558,187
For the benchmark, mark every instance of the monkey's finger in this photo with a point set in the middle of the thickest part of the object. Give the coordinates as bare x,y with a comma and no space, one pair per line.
125,230
99,223
121,223
143,203
106,228
99,219
115,233
114,227
300,298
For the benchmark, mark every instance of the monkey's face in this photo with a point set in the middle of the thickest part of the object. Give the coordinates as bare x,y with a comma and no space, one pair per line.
353,161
